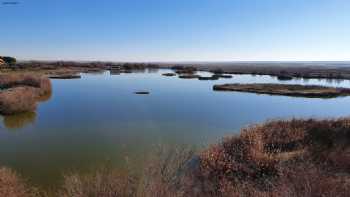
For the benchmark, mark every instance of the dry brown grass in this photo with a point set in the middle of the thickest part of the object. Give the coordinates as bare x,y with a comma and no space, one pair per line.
104,183
18,80
163,176
11,185
311,91
281,158
21,92
18,100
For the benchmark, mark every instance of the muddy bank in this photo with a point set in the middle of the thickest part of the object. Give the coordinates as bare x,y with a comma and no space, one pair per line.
311,91
21,92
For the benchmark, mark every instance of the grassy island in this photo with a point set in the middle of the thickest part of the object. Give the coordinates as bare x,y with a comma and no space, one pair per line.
20,92
311,91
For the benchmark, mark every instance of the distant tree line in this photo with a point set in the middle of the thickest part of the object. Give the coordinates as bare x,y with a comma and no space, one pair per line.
8,59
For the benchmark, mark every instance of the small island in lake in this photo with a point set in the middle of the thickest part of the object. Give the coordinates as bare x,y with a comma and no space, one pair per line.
21,92
311,91
65,76
142,92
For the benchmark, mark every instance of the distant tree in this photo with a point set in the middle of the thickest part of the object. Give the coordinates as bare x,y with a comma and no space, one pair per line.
8,60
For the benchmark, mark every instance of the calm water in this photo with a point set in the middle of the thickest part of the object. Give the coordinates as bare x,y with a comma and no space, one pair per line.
98,118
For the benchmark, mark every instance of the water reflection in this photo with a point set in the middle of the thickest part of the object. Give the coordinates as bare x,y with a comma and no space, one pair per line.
21,120
130,71
153,70
45,97
18,121
96,118
94,71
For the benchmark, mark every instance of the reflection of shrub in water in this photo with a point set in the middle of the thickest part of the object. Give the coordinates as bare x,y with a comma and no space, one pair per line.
153,70
45,96
18,121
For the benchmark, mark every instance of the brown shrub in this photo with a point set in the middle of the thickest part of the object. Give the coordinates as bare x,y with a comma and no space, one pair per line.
11,185
308,179
106,183
281,158
13,80
21,92
167,173
17,100
162,177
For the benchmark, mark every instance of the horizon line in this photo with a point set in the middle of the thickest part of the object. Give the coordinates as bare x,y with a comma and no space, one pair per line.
183,61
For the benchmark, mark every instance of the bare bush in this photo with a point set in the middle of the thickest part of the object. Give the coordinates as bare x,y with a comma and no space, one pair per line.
11,185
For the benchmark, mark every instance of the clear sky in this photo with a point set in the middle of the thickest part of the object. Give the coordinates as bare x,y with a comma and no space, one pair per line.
176,30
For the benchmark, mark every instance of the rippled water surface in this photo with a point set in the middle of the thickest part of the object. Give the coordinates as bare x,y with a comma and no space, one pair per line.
98,118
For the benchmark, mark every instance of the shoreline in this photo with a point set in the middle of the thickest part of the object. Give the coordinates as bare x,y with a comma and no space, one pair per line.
283,70
266,158
286,70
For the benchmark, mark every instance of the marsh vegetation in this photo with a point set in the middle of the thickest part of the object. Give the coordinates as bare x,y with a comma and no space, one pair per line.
267,159
21,92
312,91
278,158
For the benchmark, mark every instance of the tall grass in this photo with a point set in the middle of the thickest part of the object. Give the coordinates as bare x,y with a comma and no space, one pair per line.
12,185
163,176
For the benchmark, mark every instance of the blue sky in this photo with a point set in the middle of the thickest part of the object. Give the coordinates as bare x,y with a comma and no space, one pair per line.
176,30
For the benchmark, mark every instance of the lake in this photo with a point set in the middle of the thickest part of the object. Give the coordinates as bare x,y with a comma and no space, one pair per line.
98,118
